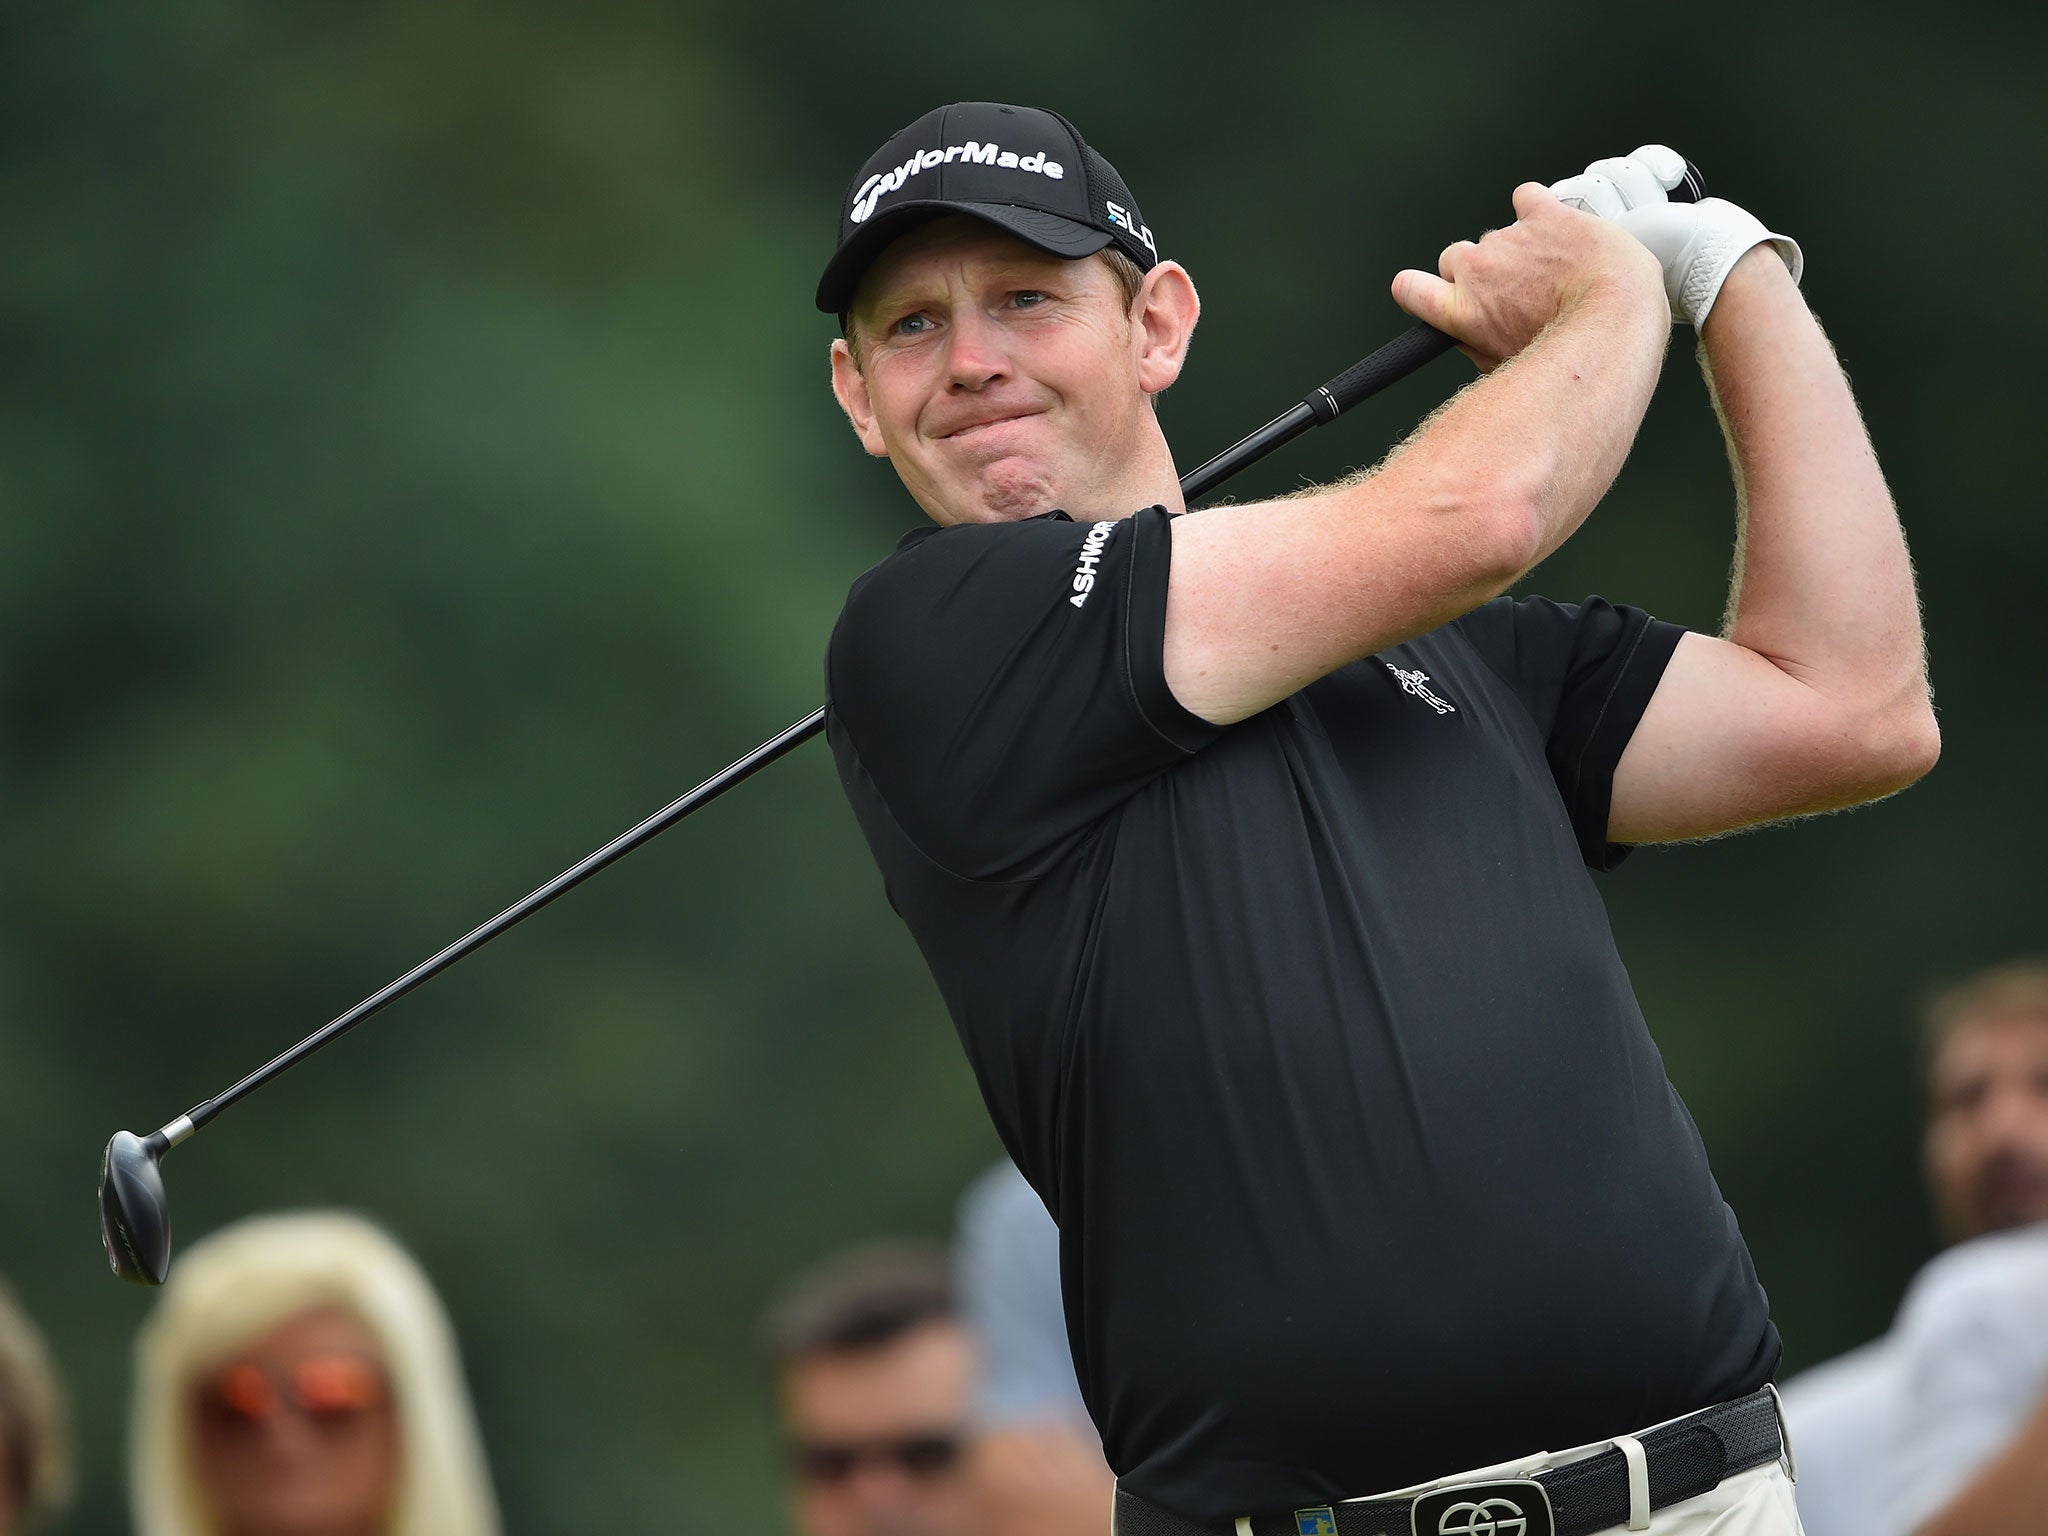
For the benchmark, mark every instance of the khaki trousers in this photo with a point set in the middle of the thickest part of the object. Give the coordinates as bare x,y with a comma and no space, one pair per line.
1753,1503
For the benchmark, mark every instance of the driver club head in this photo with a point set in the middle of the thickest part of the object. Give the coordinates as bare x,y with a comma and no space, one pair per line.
135,1223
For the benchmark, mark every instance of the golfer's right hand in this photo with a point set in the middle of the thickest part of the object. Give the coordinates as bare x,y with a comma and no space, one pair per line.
1495,295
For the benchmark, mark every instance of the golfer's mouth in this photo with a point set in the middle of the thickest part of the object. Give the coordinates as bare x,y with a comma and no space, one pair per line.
974,427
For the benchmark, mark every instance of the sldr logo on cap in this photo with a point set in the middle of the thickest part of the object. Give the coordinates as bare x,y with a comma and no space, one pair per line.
973,152
1120,216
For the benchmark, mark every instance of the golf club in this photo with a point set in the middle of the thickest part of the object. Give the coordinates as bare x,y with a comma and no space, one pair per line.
134,1219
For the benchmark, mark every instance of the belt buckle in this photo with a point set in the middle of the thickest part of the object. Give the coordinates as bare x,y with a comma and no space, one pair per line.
1516,1506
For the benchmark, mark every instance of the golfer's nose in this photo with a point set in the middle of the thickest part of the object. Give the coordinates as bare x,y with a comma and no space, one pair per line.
975,356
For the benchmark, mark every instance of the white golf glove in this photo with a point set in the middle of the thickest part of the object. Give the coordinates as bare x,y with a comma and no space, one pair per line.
1697,243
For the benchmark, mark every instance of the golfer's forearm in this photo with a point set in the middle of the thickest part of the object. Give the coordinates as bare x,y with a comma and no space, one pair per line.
1263,600
1823,587
1535,444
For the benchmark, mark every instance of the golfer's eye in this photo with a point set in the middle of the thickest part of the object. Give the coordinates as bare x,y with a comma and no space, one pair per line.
1028,298
911,325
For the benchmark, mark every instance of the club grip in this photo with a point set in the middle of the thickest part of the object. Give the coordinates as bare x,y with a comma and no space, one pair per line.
1421,342
1396,360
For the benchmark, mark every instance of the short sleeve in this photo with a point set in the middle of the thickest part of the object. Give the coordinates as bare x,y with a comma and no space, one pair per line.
1003,685
1585,673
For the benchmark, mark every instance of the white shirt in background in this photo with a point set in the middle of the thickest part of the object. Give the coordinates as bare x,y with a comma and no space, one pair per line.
1887,1434
1972,1345
1842,1419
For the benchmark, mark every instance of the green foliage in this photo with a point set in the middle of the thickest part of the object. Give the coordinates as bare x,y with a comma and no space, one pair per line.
416,465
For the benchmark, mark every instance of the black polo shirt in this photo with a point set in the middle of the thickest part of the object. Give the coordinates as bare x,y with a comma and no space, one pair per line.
1310,1030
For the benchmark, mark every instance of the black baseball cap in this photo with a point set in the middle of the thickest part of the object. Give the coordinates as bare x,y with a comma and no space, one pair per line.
1023,170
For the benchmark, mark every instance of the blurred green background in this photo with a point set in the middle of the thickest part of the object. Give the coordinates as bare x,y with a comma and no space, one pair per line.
416,464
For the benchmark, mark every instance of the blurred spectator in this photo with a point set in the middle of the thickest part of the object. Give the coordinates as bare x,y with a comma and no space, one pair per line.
299,1378
35,1448
1036,1461
873,1373
1889,1437
1987,1078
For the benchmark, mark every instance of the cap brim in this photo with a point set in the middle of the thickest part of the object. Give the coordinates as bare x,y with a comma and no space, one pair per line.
1049,232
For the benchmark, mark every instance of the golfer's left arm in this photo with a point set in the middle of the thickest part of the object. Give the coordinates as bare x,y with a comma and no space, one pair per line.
1815,697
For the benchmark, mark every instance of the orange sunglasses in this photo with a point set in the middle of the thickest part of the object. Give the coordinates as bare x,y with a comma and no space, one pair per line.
327,1389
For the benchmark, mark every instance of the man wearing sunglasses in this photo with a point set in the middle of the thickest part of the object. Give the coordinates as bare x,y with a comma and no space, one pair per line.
873,1374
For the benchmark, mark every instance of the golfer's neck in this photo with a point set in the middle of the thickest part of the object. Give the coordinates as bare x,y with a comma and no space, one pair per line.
1133,480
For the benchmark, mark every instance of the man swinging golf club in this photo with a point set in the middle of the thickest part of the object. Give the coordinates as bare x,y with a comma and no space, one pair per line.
1249,848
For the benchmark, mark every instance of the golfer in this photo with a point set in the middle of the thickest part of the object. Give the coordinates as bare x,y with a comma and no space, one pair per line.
1250,847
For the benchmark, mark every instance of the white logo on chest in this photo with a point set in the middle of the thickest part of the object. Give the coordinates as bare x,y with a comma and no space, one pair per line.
1417,683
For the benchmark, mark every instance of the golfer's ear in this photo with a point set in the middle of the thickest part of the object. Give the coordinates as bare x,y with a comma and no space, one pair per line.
852,391
1163,319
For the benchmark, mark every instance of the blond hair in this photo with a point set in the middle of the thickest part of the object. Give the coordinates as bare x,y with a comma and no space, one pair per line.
34,1436
245,1280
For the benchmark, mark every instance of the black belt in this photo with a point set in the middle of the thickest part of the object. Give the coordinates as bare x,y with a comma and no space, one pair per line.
1684,1458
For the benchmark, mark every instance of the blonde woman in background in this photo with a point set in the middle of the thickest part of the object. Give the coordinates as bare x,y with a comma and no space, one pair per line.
299,1378
35,1446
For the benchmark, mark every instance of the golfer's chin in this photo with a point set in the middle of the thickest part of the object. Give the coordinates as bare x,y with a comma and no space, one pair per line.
1000,491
